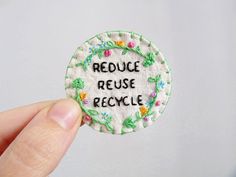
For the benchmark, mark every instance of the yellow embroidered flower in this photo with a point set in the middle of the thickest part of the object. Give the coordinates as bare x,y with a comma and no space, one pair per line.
143,110
120,43
82,95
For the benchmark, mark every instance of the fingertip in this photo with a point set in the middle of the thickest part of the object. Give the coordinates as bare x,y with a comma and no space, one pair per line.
65,113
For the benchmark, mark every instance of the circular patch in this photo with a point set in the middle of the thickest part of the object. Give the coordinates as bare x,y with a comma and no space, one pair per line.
120,80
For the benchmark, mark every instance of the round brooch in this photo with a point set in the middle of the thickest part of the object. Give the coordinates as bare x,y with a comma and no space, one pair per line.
120,80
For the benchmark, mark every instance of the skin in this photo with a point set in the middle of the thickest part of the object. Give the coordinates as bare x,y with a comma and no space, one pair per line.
34,138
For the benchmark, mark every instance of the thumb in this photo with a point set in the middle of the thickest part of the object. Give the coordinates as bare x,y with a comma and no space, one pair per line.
37,150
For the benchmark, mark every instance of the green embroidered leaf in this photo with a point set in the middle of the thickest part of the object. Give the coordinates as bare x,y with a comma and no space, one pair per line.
157,89
158,77
85,67
93,50
150,113
80,64
124,51
137,49
89,59
95,120
109,43
151,79
137,115
92,112
78,83
109,127
151,101
100,54
149,59
129,123
109,119
77,98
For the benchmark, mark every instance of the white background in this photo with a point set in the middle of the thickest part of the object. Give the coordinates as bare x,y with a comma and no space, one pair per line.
196,136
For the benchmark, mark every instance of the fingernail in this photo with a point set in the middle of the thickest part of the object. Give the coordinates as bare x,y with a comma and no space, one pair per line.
65,113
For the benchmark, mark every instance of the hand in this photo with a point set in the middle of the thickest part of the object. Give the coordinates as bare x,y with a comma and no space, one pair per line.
34,138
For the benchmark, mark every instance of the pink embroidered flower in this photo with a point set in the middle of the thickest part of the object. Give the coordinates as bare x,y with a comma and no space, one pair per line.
131,44
145,119
158,103
85,101
107,53
153,94
87,118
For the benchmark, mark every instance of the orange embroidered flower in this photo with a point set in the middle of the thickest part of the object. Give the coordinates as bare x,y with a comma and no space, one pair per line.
82,95
143,110
120,43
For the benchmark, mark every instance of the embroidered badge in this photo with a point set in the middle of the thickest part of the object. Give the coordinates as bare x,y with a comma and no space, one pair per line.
121,81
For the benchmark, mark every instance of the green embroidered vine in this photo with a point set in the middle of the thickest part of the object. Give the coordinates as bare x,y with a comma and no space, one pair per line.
158,85
78,84
144,111
149,57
